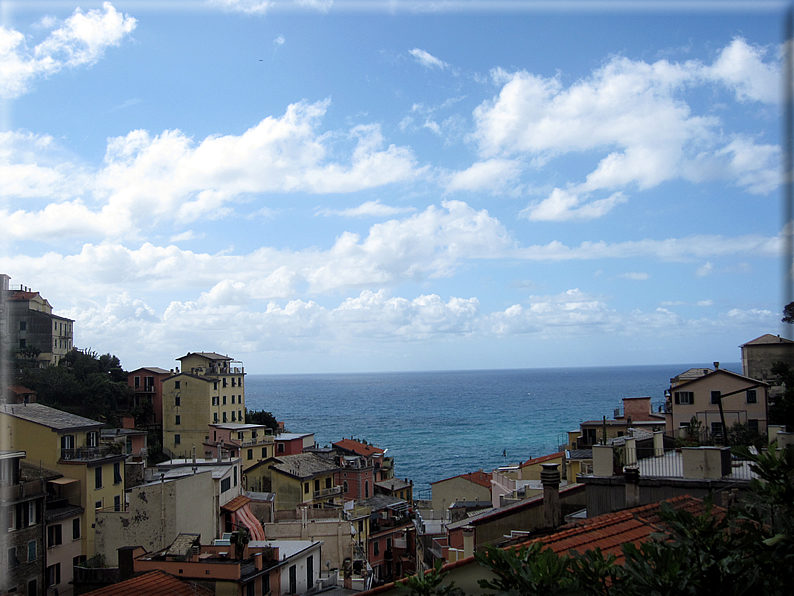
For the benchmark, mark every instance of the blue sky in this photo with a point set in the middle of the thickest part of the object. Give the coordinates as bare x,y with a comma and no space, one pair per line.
347,186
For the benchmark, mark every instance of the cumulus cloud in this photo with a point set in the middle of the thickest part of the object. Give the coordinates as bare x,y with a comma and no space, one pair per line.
427,60
367,209
636,112
81,40
146,179
705,269
491,174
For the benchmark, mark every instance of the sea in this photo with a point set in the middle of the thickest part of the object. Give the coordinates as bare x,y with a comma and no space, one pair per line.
443,423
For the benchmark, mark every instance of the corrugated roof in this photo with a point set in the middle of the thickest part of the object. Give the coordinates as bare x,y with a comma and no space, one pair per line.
47,416
154,583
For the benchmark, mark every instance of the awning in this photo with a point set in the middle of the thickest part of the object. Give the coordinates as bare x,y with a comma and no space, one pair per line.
63,480
244,517
236,503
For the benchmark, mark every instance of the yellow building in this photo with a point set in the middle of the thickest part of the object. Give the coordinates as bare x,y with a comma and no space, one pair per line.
300,479
209,389
93,473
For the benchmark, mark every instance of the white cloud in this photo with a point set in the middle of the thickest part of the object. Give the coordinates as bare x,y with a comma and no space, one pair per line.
245,6
491,174
146,179
367,209
80,41
427,60
636,112
706,269
561,205
705,303
187,235
635,276
279,41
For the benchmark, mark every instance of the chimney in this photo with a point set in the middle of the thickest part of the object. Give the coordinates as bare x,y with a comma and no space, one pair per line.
550,478
468,541
716,366
258,561
632,477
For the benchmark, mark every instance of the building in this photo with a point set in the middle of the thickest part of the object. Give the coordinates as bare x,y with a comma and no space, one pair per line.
743,400
69,444
250,442
22,526
147,386
375,456
637,412
209,389
28,323
356,476
474,486
390,538
293,443
302,479
761,354
17,394
64,530
396,487
154,583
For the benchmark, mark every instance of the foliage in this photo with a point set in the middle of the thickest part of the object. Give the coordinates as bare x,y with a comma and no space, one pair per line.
83,383
528,570
430,583
261,417
782,411
694,428
744,434
788,313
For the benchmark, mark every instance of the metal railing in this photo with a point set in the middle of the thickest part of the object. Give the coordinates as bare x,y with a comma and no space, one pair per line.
327,492
87,453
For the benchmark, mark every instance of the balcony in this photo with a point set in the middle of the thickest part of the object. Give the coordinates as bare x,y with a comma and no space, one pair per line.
23,490
88,453
264,440
327,492
144,389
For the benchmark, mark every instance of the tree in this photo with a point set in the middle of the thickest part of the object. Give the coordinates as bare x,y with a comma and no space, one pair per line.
788,313
261,417
782,411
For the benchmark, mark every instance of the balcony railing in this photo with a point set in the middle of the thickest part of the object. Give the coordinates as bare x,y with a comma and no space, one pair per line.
87,453
144,389
16,492
264,440
328,492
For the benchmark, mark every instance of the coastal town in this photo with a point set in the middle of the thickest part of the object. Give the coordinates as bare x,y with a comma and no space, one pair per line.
193,493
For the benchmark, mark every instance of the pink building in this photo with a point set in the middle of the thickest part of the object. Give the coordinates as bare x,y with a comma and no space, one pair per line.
147,384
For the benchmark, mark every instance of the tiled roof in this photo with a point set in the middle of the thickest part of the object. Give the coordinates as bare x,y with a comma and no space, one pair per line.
303,465
155,369
543,459
207,355
478,477
767,339
380,502
154,583
18,389
236,503
608,532
358,448
47,416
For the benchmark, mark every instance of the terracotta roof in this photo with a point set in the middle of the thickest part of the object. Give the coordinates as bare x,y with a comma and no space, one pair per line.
608,532
478,477
766,340
20,295
543,459
154,583
236,503
18,389
358,447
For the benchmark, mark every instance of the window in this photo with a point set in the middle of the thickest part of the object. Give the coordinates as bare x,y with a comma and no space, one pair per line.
215,385
264,452
240,435
232,399
215,400
177,439
98,477
178,420
345,487
366,490
316,486
752,397
75,528
137,382
53,576
328,482
224,383
715,397
215,417
226,484
233,382
305,488
91,439
12,519
23,344
240,415
224,400
233,416
752,424
250,589
235,475
716,428
98,505
265,584
33,518
117,503
23,325
388,544
684,397
224,416
376,547
32,554
176,384
78,560
149,382
13,561
253,434
178,400
250,454
54,536
310,571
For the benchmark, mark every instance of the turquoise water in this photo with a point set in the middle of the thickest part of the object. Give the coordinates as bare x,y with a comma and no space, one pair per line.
440,424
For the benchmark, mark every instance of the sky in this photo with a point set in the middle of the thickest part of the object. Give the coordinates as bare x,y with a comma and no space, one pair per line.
343,186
